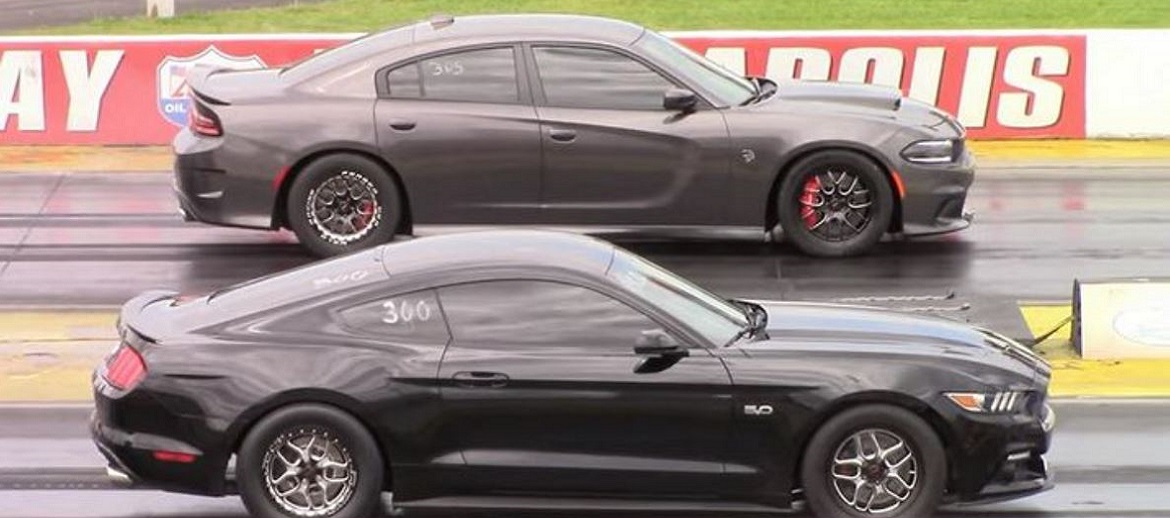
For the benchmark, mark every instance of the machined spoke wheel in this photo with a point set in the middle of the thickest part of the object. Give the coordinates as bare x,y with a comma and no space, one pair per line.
308,472
835,205
874,471
344,208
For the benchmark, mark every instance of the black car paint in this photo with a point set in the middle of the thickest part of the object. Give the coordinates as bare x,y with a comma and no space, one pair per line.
217,364
497,163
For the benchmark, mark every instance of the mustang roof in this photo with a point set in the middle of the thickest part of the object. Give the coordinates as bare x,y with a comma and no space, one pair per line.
522,248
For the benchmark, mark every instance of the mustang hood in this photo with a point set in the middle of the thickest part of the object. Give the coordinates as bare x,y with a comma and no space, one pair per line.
870,328
853,94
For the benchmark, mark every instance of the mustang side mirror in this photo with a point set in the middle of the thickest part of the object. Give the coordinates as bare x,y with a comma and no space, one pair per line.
677,99
656,342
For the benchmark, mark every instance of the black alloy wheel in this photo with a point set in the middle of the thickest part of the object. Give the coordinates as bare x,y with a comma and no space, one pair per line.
835,203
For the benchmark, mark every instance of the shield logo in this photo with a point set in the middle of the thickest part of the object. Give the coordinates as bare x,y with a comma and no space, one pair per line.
173,102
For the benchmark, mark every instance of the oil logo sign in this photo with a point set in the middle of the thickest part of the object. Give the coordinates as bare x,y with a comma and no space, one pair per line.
173,101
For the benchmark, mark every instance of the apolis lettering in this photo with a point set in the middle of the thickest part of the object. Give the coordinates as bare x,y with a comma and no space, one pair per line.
1001,86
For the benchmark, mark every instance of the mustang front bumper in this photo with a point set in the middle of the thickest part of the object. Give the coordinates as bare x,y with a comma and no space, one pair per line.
1000,457
1023,474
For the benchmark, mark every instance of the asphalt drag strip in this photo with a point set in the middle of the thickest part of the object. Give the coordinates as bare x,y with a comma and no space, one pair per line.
1110,459
97,239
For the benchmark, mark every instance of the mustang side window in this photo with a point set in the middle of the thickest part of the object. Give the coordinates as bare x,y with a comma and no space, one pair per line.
412,318
575,77
544,314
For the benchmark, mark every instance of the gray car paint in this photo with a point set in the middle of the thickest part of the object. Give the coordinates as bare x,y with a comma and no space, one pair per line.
477,163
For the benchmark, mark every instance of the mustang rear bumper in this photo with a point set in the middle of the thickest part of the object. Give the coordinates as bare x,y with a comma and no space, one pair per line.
145,445
116,470
131,462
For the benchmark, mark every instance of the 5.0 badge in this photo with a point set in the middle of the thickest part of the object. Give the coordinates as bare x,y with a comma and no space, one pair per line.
757,410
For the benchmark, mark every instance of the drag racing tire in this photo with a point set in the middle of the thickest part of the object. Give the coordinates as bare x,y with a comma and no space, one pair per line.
874,460
835,203
310,461
343,202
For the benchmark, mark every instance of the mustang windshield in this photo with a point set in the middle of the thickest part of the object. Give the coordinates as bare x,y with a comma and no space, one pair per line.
716,319
731,89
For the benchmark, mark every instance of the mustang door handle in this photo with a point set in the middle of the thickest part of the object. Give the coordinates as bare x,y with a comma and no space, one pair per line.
402,125
562,135
480,379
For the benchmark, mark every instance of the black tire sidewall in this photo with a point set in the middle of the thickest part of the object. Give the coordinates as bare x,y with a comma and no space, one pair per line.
321,170
923,441
364,452
792,187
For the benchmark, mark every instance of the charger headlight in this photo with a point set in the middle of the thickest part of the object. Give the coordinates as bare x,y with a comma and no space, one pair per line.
941,151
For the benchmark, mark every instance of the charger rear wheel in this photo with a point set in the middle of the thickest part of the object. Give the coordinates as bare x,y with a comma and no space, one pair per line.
343,202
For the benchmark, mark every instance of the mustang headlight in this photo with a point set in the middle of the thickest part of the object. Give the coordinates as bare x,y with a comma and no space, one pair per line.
942,151
1003,402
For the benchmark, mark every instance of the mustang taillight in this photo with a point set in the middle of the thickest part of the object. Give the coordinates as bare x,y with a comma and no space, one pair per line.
204,121
125,369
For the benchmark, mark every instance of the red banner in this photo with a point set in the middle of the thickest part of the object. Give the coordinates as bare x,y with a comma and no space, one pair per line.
132,90
116,91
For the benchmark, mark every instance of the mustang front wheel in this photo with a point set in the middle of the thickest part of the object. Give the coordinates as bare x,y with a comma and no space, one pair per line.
835,203
874,460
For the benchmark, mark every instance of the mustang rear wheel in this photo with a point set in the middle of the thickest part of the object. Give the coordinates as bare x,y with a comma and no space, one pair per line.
835,203
343,202
310,461
874,460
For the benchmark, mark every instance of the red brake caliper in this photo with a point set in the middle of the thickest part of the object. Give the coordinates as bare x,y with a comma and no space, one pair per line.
812,189
366,212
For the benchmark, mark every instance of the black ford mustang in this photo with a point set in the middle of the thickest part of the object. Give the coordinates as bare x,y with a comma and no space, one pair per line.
527,369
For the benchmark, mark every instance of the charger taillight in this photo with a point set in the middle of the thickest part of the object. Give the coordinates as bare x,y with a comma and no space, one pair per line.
204,121
126,369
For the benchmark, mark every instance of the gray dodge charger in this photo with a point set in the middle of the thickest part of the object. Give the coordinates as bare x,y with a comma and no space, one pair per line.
560,121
